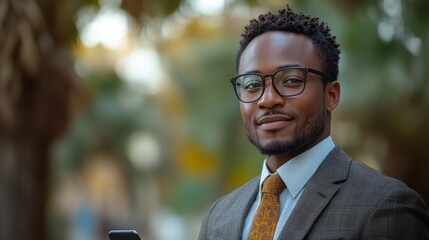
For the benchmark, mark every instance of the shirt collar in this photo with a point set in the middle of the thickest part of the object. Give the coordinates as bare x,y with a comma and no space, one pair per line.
296,172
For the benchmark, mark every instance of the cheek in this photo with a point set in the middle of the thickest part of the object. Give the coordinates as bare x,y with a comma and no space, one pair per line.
308,107
312,99
246,112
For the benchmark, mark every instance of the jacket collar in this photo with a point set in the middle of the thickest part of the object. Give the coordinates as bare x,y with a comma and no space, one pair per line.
317,194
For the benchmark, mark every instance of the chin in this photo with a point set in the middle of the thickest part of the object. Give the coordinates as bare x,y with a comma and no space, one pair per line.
276,147
273,142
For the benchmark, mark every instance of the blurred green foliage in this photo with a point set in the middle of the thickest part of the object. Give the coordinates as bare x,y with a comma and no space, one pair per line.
384,91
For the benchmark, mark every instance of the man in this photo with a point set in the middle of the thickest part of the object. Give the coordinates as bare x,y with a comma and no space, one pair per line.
287,86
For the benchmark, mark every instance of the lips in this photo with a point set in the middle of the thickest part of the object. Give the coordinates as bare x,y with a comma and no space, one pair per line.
273,122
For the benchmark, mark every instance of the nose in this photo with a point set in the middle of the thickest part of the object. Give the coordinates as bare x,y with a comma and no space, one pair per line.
271,99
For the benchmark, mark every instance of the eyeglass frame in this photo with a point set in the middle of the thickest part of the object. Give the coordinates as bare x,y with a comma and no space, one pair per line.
233,81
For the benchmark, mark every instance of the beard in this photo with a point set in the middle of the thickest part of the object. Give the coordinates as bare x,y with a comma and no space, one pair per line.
304,134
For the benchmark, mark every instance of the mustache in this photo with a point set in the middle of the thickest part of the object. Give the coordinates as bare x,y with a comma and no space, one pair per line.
273,112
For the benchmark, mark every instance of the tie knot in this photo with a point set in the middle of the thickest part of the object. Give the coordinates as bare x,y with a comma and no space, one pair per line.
273,184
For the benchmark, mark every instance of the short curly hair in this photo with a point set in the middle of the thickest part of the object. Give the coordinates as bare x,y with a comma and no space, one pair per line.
287,20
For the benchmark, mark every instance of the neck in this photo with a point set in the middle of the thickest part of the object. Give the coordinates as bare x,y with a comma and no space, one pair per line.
277,160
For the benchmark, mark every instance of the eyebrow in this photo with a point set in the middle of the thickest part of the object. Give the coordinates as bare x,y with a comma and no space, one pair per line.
278,68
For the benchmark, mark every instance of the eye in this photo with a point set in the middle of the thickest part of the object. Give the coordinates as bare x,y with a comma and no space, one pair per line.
250,83
290,83
292,80
289,79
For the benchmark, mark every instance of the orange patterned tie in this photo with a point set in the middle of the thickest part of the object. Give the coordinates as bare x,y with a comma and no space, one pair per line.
266,217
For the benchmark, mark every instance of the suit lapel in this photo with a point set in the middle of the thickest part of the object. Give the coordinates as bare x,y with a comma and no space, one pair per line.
317,194
239,208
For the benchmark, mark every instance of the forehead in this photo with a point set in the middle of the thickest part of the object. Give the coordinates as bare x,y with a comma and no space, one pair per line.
272,50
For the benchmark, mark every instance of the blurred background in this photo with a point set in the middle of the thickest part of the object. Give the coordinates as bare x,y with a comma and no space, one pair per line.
119,114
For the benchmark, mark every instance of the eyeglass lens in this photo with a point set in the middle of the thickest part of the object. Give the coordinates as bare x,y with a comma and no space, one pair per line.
287,82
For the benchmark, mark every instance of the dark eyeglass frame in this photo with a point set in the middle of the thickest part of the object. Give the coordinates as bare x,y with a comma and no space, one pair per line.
233,81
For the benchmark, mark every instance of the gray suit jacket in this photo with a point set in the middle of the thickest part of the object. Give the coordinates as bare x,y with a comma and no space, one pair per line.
344,199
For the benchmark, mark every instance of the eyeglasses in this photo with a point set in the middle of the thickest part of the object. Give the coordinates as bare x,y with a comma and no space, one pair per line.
287,82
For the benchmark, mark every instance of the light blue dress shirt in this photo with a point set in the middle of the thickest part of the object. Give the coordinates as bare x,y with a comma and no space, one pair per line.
295,174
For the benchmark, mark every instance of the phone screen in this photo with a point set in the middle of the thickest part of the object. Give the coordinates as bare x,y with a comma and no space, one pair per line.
124,235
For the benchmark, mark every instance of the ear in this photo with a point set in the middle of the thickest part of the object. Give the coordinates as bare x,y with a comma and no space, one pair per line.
332,95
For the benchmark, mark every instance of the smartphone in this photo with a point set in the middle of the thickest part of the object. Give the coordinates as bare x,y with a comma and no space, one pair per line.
124,235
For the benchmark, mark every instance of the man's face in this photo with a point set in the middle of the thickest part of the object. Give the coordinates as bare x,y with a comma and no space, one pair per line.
279,125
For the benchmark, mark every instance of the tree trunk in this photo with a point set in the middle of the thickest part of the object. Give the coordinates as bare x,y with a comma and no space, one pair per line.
38,89
23,172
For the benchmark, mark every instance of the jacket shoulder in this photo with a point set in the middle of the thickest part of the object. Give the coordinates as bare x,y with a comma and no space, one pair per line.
226,216
248,190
